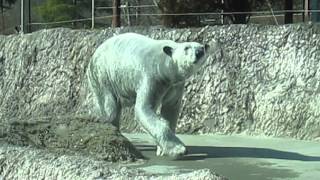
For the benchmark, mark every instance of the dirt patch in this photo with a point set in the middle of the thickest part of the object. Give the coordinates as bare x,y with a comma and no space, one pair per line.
71,135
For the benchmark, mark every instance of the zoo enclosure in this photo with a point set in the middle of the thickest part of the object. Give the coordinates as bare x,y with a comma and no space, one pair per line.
149,14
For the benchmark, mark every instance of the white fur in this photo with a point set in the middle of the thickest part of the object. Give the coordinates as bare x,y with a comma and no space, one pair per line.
131,69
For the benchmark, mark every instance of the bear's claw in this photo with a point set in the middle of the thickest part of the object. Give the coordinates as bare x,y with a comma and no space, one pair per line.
177,151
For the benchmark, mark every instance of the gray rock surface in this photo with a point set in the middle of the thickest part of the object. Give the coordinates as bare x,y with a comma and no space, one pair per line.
263,81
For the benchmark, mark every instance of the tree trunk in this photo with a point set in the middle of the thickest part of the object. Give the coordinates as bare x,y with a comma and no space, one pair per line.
116,14
74,3
167,7
2,16
288,17
29,16
241,6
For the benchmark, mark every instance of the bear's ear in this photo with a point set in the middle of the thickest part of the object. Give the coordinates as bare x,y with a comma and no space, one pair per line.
168,50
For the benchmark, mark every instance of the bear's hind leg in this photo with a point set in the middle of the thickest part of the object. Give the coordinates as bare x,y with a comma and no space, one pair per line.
110,109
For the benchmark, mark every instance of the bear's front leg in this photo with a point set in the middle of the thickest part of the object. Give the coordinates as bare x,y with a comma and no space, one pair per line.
170,107
148,96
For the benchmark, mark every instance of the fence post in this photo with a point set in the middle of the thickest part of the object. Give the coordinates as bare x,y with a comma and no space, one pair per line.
306,10
92,14
74,3
22,17
222,11
29,17
138,12
128,13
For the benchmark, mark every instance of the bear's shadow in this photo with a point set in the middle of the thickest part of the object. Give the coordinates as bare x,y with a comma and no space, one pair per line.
204,152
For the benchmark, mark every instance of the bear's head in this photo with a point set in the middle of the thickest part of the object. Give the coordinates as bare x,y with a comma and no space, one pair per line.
188,56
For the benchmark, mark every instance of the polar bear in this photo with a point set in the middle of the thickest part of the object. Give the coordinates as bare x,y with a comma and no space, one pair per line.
132,69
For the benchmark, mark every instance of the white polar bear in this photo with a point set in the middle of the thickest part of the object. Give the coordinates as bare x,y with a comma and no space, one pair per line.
131,69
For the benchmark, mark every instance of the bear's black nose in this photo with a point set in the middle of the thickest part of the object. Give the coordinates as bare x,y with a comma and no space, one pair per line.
199,53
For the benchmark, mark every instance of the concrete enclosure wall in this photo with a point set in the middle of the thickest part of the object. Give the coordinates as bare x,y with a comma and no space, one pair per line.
265,80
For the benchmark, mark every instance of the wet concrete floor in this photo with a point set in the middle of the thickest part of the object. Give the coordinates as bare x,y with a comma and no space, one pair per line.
237,157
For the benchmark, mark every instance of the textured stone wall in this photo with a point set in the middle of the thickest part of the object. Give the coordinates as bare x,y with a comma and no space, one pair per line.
263,81
267,82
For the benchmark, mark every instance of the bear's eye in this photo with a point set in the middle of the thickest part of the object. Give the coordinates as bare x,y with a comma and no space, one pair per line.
186,48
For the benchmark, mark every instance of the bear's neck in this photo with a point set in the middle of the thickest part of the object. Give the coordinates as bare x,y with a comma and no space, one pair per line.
169,72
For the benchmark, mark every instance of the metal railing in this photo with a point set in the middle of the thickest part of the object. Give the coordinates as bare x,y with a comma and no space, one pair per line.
254,14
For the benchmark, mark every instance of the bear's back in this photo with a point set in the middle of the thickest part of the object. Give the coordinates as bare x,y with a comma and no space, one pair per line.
138,45
131,50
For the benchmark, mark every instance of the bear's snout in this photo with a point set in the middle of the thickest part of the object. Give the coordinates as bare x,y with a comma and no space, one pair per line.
199,53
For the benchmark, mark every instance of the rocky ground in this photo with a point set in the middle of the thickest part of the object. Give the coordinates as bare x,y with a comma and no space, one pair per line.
238,157
71,135
73,147
29,163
